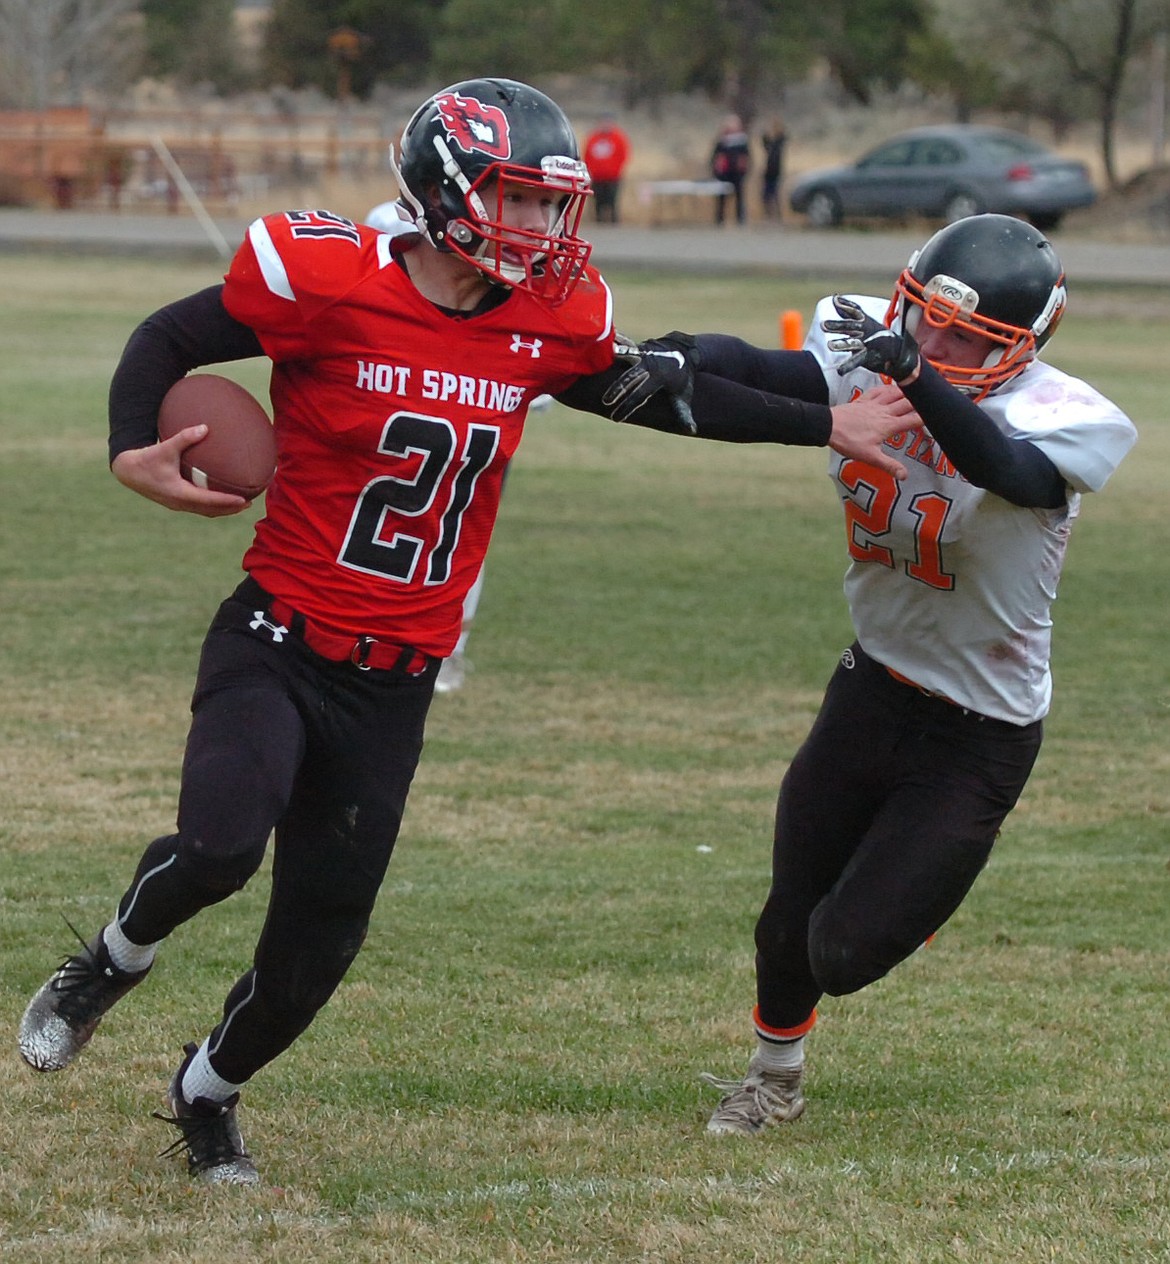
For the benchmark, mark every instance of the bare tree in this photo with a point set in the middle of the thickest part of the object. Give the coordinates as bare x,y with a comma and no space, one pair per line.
1062,59
52,51
747,24
1095,43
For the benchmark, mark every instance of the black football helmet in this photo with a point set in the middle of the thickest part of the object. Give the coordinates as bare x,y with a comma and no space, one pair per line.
990,274
470,146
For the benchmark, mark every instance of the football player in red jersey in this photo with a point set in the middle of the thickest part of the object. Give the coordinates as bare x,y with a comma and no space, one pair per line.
403,363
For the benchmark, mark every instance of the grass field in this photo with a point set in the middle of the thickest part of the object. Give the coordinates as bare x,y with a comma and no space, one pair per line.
510,1072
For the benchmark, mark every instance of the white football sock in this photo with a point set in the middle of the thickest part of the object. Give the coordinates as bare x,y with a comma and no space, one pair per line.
780,1055
131,957
199,1080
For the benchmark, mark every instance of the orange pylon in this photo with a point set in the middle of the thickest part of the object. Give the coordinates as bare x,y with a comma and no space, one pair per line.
791,330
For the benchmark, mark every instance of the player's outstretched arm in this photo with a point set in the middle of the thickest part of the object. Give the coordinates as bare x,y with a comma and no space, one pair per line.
154,472
749,395
661,368
862,426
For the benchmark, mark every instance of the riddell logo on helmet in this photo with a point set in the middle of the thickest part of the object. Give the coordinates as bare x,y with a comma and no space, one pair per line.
475,127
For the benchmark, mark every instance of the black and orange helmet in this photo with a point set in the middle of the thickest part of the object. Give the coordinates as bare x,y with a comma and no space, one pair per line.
992,275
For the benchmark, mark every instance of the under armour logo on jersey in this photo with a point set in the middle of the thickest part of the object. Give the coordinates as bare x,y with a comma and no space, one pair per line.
533,347
278,630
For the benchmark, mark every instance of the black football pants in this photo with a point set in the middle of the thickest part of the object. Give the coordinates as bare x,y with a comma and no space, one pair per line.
323,753
886,816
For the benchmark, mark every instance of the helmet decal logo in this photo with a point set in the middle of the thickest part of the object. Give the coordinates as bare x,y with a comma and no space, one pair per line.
948,300
475,127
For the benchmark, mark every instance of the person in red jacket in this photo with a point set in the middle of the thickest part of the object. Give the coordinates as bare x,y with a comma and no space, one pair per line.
607,150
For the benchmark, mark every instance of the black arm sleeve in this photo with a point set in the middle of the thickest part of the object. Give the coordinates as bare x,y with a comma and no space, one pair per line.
167,345
793,373
789,404
1014,469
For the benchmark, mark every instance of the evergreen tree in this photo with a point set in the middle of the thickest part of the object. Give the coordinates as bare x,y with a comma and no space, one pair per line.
390,40
194,42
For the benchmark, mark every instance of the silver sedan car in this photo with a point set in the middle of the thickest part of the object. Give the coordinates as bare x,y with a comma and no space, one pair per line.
947,172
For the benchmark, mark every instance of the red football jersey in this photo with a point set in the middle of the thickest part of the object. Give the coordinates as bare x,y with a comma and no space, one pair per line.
394,422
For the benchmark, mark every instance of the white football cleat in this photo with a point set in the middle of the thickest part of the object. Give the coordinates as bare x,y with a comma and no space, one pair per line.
760,1098
452,673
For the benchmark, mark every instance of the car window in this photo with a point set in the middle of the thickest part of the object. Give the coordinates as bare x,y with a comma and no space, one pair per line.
896,154
936,153
1009,147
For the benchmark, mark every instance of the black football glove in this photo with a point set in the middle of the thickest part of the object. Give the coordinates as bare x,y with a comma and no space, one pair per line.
659,364
874,347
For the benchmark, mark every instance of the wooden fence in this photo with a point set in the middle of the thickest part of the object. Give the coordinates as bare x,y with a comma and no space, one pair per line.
73,157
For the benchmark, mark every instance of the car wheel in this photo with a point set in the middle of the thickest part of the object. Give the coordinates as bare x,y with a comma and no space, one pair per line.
824,209
961,204
1047,221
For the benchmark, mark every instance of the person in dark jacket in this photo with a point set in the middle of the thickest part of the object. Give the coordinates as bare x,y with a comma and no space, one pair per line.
730,162
773,141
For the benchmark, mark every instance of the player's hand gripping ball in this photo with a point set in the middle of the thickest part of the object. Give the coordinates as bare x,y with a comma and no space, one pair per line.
238,453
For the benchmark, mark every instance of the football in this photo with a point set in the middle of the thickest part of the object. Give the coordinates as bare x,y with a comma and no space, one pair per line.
238,454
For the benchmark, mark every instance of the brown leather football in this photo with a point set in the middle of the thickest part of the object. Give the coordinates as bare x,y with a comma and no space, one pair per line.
238,454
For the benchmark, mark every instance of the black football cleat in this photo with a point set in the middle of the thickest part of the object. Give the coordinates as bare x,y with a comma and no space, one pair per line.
210,1135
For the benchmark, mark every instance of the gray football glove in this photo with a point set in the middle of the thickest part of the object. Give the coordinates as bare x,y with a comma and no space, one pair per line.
873,346
664,364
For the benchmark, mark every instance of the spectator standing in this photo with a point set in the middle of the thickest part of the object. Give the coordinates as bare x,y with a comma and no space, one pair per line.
607,150
773,141
115,178
730,162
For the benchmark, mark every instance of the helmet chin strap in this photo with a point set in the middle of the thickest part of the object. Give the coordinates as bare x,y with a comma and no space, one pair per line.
452,170
418,212
426,219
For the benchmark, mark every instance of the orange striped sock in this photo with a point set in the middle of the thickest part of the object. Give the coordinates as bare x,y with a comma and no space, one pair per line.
780,1034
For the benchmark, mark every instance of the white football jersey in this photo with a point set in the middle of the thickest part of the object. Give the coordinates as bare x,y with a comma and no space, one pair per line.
948,584
390,217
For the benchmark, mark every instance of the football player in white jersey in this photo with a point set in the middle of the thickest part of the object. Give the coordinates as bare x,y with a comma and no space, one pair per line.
932,721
